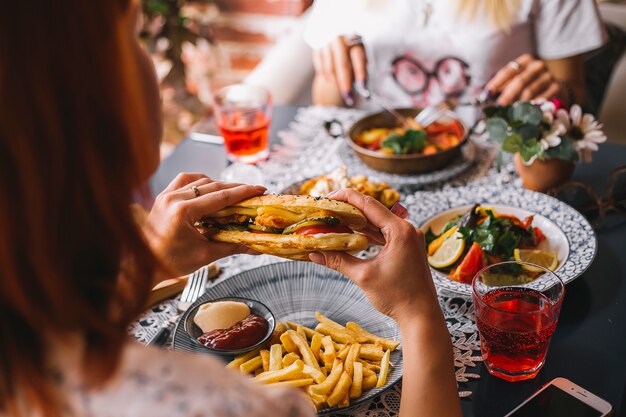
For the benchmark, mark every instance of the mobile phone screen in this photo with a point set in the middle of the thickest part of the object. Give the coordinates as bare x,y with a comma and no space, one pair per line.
554,402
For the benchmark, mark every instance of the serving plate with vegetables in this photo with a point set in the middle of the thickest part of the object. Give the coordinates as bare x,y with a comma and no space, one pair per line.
463,240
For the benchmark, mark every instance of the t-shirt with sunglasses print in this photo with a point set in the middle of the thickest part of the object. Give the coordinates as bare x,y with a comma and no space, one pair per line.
421,52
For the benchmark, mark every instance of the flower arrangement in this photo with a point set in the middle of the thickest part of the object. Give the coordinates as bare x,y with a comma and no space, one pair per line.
541,130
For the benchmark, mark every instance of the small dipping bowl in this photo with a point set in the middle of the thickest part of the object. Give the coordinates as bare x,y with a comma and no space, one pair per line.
256,307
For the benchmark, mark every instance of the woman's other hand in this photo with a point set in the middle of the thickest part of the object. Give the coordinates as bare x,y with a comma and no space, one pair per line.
170,224
525,78
337,66
397,281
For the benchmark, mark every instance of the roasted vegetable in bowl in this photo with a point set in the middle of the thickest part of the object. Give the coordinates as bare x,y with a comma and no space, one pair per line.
436,137
482,237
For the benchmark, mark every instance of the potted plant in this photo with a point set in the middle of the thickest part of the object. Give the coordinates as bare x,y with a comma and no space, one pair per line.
546,140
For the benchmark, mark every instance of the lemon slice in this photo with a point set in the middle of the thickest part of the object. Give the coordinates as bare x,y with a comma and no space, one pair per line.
436,244
449,252
547,259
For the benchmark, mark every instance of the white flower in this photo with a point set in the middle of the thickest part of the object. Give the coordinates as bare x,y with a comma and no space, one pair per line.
552,139
584,129
547,108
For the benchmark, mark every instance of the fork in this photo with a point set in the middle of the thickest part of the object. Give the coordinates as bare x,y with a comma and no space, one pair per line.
196,284
430,114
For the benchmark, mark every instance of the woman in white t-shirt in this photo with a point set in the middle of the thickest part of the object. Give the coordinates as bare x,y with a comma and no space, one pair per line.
419,52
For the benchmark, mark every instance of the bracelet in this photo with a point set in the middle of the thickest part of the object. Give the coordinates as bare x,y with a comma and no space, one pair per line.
571,95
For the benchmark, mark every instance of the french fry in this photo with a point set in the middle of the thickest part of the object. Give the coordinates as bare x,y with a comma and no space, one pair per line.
302,382
371,352
368,372
258,371
331,380
279,329
276,357
316,374
356,389
305,350
369,382
236,363
287,342
265,359
301,332
369,365
251,365
333,324
353,355
384,370
341,389
329,352
316,344
318,399
308,331
385,343
290,358
338,335
343,353
293,371
345,401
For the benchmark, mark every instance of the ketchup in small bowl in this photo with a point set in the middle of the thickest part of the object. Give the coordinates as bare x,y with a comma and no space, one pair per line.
244,336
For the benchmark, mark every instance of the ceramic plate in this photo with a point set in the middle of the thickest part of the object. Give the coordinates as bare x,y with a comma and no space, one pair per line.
567,231
458,166
294,291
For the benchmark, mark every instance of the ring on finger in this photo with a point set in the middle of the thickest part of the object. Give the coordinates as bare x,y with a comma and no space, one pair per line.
515,66
195,190
354,40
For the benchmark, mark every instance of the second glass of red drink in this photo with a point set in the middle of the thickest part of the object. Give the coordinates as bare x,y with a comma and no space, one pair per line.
517,307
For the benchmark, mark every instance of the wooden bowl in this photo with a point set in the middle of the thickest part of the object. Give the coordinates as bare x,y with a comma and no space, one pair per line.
400,164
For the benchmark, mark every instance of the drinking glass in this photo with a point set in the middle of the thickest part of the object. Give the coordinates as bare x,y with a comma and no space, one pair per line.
517,307
243,115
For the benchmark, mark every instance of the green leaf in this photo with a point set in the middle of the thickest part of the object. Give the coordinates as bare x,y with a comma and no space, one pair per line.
412,141
496,111
525,112
528,131
513,143
564,151
430,236
497,128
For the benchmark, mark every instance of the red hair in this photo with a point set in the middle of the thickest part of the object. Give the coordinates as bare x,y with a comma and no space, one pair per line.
73,142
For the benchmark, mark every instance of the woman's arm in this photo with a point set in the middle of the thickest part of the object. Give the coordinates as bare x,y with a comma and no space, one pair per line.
398,283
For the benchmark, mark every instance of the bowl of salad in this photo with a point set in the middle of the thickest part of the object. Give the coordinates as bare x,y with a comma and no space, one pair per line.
462,241
383,144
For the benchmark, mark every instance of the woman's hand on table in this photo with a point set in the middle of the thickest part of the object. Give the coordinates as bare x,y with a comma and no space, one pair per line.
170,224
337,65
397,281
526,78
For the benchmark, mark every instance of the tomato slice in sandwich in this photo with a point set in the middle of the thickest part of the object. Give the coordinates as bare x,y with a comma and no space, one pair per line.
319,229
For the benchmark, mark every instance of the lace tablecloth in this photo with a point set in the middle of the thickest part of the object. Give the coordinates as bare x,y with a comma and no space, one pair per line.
308,151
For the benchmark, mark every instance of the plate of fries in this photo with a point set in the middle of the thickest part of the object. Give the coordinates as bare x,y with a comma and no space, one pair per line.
329,341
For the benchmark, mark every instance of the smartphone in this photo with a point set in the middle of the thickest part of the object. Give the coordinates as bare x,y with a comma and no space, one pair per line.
562,398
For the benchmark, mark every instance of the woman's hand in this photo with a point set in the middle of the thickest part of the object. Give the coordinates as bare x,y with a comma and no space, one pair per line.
525,78
398,281
337,66
170,224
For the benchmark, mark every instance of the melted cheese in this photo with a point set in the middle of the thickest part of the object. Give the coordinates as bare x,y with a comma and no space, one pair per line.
229,211
282,213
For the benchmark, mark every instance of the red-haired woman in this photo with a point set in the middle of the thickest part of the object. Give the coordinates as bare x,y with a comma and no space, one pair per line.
79,129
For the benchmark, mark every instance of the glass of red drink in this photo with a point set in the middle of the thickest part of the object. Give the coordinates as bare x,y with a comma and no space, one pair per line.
517,307
243,114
